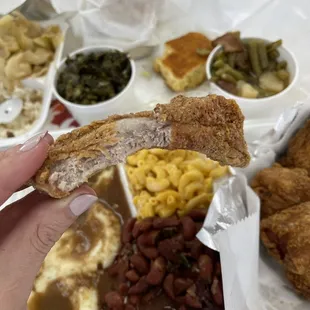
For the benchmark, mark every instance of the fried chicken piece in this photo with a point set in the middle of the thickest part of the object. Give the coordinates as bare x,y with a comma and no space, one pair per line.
286,235
298,150
211,125
279,188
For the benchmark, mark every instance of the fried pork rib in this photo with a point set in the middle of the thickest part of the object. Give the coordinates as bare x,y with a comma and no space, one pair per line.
280,188
211,125
286,236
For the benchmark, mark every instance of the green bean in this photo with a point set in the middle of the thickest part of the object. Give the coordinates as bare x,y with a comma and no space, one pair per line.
274,45
281,65
238,75
233,72
232,59
253,54
283,75
220,71
273,54
262,53
221,55
228,78
218,64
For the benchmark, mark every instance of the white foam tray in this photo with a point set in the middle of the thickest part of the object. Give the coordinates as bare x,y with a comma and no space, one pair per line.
45,84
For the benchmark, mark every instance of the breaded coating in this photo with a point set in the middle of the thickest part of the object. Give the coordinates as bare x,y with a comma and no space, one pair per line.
286,235
279,188
298,150
211,125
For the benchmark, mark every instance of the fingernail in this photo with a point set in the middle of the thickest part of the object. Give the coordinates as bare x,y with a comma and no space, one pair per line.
82,203
32,142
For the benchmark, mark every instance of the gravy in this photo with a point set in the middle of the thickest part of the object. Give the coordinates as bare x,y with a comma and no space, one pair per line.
82,240
52,299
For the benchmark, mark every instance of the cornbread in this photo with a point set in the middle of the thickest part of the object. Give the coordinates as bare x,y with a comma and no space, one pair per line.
181,66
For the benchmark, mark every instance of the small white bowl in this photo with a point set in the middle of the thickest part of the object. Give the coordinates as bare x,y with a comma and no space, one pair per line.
85,114
292,67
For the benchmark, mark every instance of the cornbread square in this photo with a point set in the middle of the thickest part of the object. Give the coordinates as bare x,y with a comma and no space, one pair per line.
181,66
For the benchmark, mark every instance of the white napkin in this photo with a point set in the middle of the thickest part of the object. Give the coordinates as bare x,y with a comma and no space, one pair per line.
232,228
120,23
8,6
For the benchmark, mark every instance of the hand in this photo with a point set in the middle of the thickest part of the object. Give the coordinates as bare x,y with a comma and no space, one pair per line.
30,226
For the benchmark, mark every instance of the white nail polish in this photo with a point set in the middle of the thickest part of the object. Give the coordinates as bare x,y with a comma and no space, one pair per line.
32,142
82,203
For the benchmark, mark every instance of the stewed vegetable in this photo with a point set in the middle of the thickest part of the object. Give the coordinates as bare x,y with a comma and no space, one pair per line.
249,68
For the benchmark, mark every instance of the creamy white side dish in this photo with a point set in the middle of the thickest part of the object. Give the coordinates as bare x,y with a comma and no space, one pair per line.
32,105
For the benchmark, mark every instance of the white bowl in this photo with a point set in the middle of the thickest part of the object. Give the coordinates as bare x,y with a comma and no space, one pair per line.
292,67
85,114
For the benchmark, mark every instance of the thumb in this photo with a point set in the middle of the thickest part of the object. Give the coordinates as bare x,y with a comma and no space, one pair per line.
28,230
51,217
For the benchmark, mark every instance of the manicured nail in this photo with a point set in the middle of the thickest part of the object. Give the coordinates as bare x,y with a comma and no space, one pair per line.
33,142
82,203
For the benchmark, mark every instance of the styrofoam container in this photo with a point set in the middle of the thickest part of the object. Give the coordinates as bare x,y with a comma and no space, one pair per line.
285,54
44,83
86,114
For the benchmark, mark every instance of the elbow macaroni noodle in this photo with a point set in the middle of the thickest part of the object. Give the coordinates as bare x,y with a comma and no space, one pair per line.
165,182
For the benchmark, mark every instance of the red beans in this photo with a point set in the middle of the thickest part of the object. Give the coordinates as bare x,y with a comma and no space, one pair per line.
114,300
157,271
217,292
163,256
205,265
149,252
127,230
140,287
168,285
181,285
160,223
141,226
132,276
189,228
149,238
140,263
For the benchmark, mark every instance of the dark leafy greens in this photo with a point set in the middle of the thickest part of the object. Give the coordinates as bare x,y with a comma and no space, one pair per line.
93,78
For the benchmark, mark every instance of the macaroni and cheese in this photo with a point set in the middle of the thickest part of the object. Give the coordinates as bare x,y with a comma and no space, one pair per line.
167,182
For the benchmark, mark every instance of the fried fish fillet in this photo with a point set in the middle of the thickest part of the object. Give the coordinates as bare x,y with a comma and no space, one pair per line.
299,150
211,125
286,235
279,188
